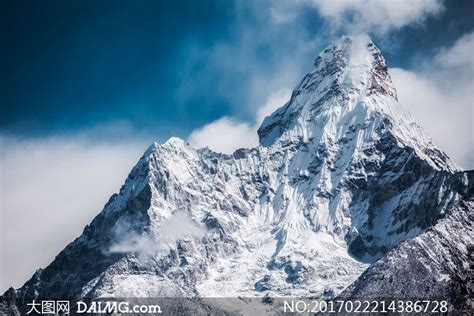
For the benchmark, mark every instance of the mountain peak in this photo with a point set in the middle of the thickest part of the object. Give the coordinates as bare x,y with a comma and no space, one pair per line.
352,64
357,46
348,76
364,66
360,44
348,94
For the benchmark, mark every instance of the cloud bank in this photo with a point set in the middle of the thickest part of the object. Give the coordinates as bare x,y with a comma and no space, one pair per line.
224,135
228,134
374,15
440,97
50,189
177,227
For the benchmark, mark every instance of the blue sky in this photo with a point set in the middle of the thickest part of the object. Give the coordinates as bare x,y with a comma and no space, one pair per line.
88,85
156,65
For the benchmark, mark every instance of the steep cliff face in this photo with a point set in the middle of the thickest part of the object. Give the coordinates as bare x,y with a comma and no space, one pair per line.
342,175
436,265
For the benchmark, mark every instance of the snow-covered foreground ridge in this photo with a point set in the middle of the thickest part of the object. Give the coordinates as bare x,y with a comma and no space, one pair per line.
341,177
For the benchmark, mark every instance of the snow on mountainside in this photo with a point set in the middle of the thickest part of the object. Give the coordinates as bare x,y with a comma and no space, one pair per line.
436,265
343,175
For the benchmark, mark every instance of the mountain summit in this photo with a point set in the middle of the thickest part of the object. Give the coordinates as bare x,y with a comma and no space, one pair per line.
342,177
348,85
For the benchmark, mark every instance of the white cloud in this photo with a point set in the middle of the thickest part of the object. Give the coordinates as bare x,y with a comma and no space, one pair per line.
180,225
224,135
177,227
273,102
376,15
460,55
282,15
440,97
227,134
50,188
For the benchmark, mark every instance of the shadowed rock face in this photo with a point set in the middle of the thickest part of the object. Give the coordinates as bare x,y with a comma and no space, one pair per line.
436,265
343,175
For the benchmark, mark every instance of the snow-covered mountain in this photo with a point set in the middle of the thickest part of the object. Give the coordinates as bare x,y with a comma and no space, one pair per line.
342,175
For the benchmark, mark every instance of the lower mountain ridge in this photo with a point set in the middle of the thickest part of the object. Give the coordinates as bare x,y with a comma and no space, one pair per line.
346,196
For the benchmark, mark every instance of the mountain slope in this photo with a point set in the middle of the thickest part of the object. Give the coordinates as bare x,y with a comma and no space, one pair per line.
342,175
436,265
